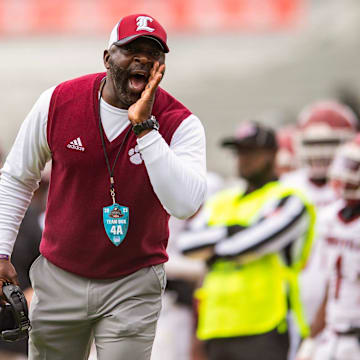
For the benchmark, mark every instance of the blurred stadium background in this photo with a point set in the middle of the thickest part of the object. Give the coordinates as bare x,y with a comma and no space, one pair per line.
230,60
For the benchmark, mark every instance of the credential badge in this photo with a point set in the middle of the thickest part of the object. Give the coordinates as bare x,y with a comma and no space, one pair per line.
116,222
142,23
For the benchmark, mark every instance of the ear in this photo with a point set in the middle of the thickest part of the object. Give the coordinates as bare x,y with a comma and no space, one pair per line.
106,58
271,155
162,59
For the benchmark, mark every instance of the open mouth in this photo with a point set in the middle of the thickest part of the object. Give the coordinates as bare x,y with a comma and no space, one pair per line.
137,81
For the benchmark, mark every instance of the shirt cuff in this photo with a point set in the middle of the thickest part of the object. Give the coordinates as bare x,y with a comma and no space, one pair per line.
152,146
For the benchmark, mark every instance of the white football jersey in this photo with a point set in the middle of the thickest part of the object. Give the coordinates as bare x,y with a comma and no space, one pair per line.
342,252
313,277
321,196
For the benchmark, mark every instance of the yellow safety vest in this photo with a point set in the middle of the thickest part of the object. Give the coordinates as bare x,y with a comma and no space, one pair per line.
249,299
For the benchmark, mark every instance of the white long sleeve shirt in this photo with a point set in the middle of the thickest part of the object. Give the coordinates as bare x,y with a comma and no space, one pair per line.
181,188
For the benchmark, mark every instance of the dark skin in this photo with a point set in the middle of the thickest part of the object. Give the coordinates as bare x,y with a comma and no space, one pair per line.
134,72
256,166
319,322
7,274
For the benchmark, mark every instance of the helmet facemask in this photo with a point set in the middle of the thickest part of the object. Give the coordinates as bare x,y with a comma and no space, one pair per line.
323,126
316,154
345,172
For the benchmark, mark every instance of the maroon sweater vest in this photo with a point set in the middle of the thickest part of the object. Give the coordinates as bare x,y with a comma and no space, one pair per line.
74,237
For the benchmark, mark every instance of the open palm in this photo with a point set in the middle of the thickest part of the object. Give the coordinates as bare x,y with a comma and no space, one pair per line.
141,110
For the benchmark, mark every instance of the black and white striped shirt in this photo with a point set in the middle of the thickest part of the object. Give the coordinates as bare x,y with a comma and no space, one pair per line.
280,225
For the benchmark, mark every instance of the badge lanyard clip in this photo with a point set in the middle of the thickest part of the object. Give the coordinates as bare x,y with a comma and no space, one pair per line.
112,189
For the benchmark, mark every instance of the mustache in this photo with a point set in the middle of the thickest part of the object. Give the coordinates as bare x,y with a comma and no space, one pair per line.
120,77
141,67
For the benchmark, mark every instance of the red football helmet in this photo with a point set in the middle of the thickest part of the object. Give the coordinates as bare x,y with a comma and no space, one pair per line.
323,126
345,170
286,157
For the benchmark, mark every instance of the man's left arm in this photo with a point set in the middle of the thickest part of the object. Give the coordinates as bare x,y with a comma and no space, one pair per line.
177,172
283,224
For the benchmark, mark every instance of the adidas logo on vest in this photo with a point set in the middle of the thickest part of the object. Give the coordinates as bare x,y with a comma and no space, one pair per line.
76,145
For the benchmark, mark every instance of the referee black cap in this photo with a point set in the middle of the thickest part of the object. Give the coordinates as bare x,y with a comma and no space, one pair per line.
252,135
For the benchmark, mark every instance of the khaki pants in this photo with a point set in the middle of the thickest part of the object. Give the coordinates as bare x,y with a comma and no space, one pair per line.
68,312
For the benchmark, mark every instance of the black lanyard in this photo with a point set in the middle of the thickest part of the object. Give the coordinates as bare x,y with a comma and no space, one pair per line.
110,169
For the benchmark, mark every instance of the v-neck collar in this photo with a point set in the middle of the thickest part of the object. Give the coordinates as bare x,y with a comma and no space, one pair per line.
96,107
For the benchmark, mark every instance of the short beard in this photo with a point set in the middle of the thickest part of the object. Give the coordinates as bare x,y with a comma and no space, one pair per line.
262,176
120,78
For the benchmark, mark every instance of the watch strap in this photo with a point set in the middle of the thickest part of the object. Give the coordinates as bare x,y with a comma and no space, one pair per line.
150,123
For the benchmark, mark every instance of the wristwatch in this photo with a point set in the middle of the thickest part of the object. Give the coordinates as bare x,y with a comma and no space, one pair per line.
150,123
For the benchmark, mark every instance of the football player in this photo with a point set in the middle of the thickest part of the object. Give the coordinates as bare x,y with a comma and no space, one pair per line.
339,313
322,127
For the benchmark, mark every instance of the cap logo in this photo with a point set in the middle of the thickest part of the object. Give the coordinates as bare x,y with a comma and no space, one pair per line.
246,130
142,23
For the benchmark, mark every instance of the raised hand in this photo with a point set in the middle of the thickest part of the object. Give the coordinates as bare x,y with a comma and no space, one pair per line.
141,110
